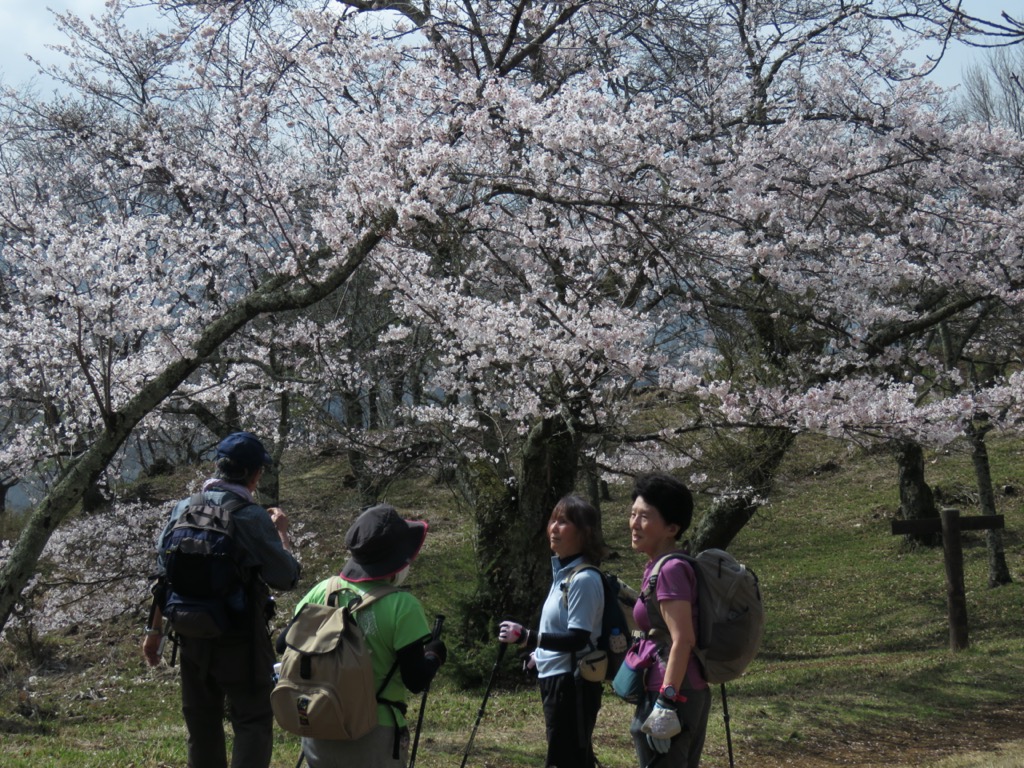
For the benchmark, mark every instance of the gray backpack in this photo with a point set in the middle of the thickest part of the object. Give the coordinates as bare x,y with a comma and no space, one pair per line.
730,614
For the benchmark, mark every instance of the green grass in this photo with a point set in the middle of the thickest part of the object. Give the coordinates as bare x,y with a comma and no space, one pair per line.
855,668
1003,756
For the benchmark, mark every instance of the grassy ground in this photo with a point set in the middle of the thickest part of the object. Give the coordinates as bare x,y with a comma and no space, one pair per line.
855,669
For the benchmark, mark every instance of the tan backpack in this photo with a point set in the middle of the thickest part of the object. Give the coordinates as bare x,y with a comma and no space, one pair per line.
326,688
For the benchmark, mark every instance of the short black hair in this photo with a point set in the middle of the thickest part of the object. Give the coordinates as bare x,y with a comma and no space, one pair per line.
233,472
669,496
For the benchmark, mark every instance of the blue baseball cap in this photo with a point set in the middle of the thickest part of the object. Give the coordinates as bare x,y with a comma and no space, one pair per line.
245,450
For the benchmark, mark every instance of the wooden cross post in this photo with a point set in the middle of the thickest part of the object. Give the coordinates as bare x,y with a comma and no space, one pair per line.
951,524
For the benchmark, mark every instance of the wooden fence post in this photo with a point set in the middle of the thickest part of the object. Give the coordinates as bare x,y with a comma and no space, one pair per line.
956,595
951,525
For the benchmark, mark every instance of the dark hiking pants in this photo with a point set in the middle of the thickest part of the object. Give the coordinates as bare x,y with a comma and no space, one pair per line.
687,747
215,675
566,701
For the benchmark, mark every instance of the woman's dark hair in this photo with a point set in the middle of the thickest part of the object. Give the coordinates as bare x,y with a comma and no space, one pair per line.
588,522
669,496
233,472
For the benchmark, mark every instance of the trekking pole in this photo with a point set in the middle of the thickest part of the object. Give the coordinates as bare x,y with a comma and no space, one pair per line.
728,733
302,756
480,714
438,622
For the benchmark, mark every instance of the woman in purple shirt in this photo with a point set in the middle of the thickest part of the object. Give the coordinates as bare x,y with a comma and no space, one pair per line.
671,719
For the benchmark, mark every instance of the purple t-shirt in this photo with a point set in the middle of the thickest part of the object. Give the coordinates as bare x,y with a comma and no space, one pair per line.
676,581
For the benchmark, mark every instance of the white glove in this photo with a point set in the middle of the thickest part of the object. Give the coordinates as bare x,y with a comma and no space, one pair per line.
660,726
660,746
510,632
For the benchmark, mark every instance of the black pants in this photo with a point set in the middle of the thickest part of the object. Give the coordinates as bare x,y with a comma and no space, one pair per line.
240,674
570,711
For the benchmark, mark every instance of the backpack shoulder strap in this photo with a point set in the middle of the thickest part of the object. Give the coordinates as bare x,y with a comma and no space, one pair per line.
573,572
650,588
374,594
361,600
193,512
200,512
334,589
236,504
649,594
659,629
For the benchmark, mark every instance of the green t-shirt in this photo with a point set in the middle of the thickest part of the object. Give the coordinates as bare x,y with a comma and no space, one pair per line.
389,623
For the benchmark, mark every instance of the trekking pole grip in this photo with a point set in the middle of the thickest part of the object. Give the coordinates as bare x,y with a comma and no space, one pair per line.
438,623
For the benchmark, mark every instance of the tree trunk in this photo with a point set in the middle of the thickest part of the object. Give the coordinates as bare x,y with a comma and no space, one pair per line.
595,489
363,479
998,571
511,520
270,483
754,468
373,409
916,499
720,524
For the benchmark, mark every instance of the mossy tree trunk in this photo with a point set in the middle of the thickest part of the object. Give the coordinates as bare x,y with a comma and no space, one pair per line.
917,502
270,483
998,571
363,479
511,510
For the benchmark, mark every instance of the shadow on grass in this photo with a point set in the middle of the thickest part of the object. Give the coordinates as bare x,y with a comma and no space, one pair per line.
22,727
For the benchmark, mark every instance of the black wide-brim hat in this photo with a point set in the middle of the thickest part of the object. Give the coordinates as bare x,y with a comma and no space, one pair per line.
381,543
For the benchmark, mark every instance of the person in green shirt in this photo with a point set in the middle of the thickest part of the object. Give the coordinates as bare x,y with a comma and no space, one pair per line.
382,546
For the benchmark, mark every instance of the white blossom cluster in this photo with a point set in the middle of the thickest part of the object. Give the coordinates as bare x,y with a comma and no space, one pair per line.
94,569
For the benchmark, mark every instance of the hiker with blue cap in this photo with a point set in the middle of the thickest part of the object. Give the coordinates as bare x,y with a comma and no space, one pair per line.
218,556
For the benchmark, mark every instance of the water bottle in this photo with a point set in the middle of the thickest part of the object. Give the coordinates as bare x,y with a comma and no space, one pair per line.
617,642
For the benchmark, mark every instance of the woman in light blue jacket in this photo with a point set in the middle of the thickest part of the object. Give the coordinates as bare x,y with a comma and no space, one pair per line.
570,624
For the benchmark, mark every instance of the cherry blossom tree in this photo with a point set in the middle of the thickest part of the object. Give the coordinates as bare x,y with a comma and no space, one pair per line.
985,350
775,296
149,233
605,231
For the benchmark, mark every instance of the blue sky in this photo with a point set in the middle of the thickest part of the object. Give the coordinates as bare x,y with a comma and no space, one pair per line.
26,26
